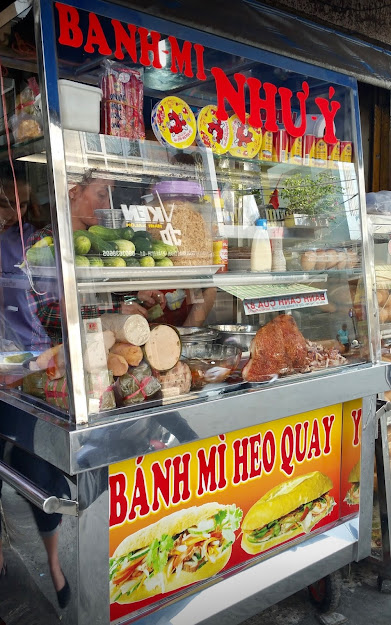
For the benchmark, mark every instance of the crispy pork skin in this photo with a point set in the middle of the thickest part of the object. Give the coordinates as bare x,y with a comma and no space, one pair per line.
278,347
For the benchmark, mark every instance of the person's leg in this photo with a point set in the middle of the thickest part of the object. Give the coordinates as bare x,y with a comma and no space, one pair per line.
51,545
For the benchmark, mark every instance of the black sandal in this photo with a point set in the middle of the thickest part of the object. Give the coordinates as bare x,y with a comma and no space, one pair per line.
64,595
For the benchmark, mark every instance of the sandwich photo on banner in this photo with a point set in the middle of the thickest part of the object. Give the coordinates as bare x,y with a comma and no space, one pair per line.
352,497
184,547
286,511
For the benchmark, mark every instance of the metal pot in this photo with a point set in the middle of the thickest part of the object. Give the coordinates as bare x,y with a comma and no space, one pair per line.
239,335
197,335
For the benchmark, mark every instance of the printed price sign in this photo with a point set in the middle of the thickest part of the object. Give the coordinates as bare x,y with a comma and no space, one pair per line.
256,306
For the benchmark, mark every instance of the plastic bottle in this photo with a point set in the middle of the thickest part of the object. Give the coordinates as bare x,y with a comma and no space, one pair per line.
261,253
278,258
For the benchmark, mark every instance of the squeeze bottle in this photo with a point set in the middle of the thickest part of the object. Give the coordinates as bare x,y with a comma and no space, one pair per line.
261,253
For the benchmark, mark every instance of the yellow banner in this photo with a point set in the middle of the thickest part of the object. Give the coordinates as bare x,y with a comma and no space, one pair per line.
182,515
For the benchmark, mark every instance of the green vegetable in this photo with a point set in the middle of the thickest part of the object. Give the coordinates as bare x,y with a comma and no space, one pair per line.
143,234
164,262
41,256
147,261
155,312
82,244
158,553
82,261
131,261
107,234
125,248
16,358
126,233
172,250
158,251
114,261
44,242
143,246
96,261
228,521
99,245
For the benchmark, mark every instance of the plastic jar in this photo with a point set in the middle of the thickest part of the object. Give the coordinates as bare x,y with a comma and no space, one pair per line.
180,218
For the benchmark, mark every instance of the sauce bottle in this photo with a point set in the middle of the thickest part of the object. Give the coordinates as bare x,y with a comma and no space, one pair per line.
261,253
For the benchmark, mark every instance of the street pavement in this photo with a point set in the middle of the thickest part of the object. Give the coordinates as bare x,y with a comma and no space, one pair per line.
27,596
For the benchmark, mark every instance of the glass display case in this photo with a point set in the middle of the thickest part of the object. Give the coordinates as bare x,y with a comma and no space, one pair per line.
214,208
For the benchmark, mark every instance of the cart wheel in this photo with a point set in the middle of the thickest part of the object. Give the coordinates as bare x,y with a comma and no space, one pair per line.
325,594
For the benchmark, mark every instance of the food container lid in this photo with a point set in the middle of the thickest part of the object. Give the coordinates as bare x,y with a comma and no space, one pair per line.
179,187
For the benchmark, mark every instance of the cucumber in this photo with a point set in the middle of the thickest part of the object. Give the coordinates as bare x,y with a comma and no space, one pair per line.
143,234
142,245
41,256
98,245
131,261
96,261
126,233
114,261
111,234
82,245
81,261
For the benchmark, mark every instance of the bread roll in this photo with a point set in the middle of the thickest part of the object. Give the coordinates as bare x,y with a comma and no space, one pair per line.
382,296
342,260
308,260
332,258
352,259
117,364
132,353
383,315
321,260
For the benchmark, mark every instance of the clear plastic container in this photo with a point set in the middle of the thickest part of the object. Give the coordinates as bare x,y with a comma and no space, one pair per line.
181,219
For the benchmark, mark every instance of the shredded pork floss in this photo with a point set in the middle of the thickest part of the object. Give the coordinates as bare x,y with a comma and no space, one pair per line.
196,246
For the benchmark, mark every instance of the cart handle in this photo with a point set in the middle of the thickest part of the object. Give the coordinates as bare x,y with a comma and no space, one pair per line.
41,499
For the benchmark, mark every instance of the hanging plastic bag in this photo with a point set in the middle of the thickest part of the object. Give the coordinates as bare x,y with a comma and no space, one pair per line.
122,105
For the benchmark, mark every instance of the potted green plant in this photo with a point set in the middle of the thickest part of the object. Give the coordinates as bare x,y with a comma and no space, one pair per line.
311,201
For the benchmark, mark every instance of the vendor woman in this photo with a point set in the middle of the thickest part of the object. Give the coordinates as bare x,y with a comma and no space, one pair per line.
183,307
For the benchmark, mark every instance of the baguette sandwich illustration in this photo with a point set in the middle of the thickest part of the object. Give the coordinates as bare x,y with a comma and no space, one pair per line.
185,547
353,495
286,511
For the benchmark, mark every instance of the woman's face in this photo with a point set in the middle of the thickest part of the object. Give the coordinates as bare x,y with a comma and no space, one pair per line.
8,211
88,198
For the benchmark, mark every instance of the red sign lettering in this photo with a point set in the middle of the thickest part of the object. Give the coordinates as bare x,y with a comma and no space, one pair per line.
327,425
262,96
181,478
118,499
356,416
140,496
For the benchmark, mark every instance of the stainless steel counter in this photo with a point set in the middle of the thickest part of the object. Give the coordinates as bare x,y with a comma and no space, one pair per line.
74,449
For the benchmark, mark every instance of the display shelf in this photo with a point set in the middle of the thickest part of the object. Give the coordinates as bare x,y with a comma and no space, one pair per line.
115,156
32,149
106,279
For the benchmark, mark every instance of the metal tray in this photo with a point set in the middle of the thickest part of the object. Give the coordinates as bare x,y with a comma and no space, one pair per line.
126,273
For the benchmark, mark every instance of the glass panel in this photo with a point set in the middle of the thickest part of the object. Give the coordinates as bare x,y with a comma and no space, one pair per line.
24,220
197,236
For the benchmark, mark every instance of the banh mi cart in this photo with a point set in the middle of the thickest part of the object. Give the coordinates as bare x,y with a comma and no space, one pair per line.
195,469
